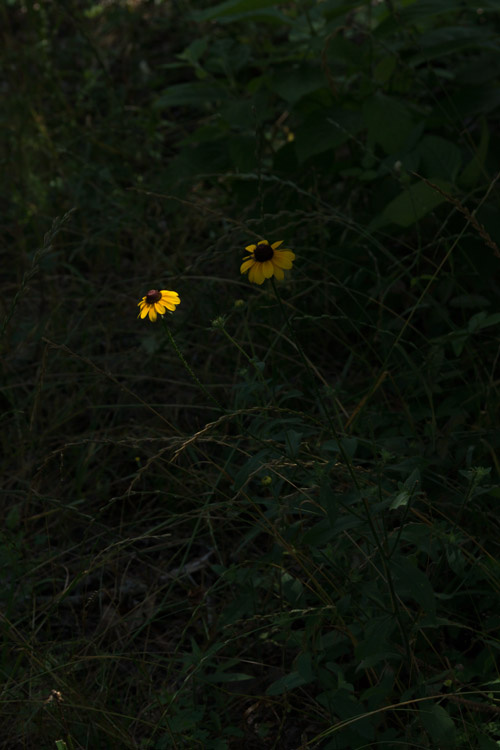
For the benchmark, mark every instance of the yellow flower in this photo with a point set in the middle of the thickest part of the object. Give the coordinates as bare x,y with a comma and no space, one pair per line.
266,260
158,302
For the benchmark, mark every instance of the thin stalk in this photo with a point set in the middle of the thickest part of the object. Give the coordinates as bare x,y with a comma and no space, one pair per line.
189,369
249,359
352,473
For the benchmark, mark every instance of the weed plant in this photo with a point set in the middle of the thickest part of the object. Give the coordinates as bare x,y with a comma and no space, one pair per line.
268,519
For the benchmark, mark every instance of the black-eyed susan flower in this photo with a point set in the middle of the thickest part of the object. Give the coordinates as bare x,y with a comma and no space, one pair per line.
266,260
157,303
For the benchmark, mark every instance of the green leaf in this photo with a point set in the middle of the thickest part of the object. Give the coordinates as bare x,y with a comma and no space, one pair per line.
486,743
220,677
249,467
195,94
475,168
437,723
389,123
385,68
412,205
450,39
242,152
320,133
419,11
376,646
472,100
440,158
482,320
232,8
320,534
287,683
304,666
194,51
373,659
13,518
412,583
292,442
402,498
297,81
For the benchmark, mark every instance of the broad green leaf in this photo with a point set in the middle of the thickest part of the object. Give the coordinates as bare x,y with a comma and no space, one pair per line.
320,534
292,589
242,152
472,100
297,81
319,133
377,643
486,743
419,11
13,517
220,677
287,683
195,94
389,122
440,158
438,724
463,301
292,442
412,583
195,50
451,39
377,658
304,666
400,499
482,320
248,468
474,169
384,69
348,444
412,205
232,8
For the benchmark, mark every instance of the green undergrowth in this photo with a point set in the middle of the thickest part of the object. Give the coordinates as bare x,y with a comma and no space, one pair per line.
287,536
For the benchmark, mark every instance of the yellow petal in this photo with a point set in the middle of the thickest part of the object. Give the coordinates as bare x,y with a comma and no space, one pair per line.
279,273
283,258
276,244
246,265
267,269
142,302
169,294
250,248
170,306
144,311
255,274
152,314
160,307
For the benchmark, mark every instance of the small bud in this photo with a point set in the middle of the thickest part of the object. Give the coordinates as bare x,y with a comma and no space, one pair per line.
239,303
266,481
219,322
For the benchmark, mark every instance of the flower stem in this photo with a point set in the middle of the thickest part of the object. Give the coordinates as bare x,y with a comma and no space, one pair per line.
352,474
189,370
249,359
310,372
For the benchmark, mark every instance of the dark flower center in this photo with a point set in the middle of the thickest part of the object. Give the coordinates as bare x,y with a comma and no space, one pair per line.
263,252
153,296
